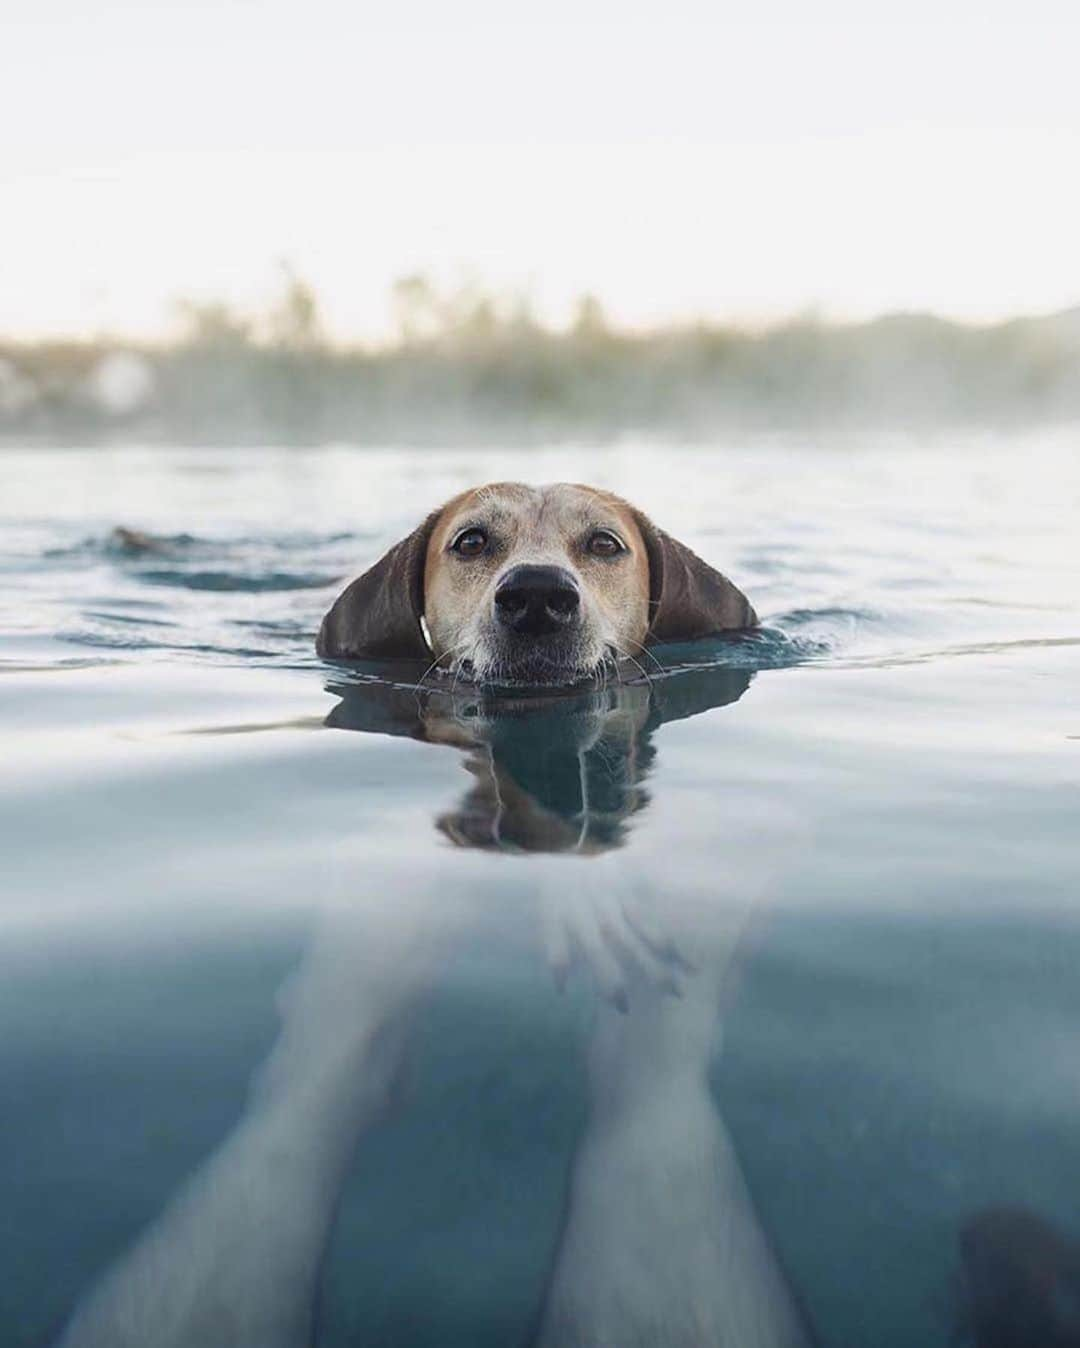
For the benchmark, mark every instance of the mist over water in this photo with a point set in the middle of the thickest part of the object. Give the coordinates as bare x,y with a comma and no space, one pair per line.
468,367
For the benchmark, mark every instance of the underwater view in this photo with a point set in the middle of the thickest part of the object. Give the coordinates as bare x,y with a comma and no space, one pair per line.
730,999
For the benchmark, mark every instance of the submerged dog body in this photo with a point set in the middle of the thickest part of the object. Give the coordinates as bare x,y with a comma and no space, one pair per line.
538,585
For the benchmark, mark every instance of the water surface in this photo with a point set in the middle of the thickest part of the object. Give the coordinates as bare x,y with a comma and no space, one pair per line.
424,1017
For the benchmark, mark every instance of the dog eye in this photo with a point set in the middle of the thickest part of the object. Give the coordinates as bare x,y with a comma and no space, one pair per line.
470,543
603,543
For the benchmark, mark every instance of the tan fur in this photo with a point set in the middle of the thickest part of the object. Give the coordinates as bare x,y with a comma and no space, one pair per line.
540,526
427,597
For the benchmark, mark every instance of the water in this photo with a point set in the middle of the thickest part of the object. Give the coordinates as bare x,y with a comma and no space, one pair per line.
743,995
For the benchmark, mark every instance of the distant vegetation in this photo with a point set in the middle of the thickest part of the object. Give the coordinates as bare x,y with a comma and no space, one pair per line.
471,366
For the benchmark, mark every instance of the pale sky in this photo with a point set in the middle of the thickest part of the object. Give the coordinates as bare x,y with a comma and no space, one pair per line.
737,161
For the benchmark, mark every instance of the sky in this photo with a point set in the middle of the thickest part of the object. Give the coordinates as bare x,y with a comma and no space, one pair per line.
739,162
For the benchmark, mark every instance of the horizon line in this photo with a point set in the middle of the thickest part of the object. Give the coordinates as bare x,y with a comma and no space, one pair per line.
255,322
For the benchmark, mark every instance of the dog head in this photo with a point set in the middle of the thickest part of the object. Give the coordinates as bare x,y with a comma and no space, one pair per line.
538,585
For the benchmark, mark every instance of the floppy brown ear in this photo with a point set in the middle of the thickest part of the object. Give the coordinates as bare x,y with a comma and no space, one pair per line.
687,597
377,617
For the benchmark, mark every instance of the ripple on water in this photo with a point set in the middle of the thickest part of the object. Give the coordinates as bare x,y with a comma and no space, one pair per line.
248,583
259,598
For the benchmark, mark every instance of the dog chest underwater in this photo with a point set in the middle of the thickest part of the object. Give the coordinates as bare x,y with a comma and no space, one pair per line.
559,916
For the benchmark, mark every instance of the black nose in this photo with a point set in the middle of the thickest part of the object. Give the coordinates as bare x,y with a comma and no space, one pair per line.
535,600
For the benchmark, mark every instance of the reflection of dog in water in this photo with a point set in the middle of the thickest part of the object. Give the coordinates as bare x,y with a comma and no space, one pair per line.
661,1243
549,774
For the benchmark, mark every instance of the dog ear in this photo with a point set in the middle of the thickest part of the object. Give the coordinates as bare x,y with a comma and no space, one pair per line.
377,617
687,597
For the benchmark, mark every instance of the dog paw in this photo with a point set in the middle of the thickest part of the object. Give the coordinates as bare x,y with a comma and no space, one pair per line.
617,938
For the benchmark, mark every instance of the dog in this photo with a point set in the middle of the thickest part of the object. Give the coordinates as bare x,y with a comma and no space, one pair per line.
551,585
543,587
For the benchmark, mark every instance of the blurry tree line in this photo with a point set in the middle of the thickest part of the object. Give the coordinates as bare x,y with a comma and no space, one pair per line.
468,365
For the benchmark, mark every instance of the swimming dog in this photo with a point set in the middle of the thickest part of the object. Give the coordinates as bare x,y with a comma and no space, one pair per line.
509,583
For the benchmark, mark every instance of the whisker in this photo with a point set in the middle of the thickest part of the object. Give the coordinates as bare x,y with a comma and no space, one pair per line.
456,667
420,681
644,650
637,665
451,652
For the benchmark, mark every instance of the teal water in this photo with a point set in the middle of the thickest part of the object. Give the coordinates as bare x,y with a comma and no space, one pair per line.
725,1005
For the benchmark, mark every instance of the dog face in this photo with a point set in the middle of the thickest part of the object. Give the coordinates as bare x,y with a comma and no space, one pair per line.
537,585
